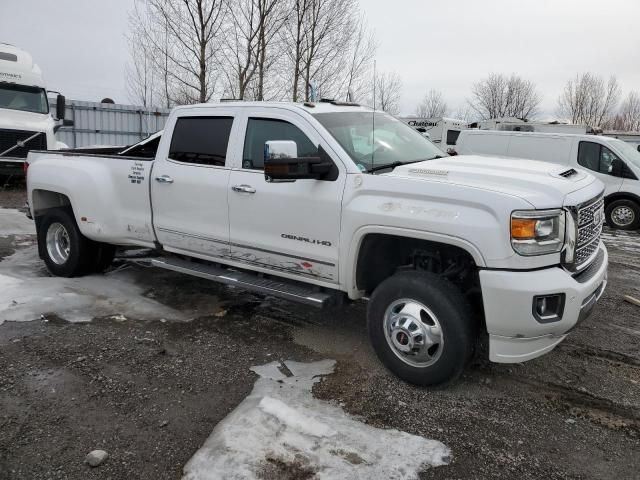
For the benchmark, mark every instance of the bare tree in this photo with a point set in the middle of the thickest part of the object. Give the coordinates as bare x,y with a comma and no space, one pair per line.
465,112
501,96
329,47
388,89
357,83
182,39
587,100
140,75
432,105
251,27
628,117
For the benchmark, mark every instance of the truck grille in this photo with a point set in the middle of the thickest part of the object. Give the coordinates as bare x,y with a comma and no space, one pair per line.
589,219
10,138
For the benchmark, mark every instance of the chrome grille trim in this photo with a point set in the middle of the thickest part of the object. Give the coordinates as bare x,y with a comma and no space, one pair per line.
588,231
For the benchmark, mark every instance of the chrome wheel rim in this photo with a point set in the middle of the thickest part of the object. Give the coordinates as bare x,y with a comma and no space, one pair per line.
623,216
58,243
413,333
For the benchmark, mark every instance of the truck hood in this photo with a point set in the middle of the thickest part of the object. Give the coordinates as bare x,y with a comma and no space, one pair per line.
19,120
542,184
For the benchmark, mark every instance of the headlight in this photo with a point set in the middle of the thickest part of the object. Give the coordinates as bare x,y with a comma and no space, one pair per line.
537,232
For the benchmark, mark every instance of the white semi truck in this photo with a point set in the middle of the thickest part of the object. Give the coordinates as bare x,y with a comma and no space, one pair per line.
25,120
319,202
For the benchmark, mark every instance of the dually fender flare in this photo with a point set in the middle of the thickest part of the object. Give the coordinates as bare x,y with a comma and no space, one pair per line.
351,263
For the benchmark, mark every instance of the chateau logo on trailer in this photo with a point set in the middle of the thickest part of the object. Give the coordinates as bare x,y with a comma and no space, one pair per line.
12,76
416,123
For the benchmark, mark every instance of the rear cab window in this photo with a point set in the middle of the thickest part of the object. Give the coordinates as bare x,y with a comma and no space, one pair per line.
201,140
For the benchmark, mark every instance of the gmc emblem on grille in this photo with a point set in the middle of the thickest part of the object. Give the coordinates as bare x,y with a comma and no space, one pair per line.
598,216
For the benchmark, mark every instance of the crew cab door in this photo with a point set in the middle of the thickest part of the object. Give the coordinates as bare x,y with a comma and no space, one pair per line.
290,227
189,185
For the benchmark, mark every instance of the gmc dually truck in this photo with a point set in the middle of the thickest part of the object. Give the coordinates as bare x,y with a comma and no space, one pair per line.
325,202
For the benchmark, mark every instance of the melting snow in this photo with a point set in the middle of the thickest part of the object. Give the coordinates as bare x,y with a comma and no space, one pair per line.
14,222
281,423
27,292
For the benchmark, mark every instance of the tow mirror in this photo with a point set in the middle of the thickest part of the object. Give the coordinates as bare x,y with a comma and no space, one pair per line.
60,107
282,164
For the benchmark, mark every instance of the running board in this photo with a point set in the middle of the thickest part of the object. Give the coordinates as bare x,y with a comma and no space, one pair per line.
247,281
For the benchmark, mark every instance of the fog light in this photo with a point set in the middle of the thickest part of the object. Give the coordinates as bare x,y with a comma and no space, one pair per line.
548,308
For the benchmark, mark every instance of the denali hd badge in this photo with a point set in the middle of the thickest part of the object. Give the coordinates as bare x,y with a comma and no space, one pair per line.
312,241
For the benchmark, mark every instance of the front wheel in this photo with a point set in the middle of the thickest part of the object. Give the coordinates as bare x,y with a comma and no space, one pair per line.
623,214
420,326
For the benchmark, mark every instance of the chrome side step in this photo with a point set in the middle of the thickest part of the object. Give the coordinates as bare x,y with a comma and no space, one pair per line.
248,281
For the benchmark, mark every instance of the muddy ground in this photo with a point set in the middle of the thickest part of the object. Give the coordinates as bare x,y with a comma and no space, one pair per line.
150,392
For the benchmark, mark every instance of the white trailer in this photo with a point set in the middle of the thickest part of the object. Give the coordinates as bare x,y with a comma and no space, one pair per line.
25,120
442,131
513,124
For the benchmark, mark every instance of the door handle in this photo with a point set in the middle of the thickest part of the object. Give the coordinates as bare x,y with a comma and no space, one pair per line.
164,179
243,189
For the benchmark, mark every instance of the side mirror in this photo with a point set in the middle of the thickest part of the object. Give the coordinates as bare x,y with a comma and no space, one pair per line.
60,107
616,168
282,164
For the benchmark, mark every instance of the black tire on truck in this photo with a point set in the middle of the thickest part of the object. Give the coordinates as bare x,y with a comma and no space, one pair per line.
623,214
421,327
105,254
67,253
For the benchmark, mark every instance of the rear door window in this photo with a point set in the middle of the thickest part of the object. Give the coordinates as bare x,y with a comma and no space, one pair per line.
201,140
261,130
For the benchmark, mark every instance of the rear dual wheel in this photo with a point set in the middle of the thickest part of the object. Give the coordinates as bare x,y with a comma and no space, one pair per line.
66,252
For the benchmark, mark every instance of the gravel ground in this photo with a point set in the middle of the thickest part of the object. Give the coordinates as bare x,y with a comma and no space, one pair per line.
150,392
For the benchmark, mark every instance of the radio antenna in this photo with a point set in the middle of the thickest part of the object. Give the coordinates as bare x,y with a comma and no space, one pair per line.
373,117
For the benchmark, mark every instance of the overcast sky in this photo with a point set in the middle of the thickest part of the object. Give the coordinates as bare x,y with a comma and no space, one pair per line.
442,44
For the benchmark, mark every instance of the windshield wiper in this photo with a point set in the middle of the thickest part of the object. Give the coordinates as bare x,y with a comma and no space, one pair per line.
398,163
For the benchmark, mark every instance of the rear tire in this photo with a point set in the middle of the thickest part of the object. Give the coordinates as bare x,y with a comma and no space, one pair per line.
421,328
104,257
66,252
623,214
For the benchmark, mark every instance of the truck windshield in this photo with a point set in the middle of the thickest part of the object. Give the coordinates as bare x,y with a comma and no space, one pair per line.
21,97
373,140
629,153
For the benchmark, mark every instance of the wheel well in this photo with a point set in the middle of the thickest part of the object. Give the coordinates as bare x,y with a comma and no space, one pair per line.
621,196
46,199
382,255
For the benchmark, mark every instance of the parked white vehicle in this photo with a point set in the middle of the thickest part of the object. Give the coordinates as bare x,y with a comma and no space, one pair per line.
440,130
25,121
312,203
614,162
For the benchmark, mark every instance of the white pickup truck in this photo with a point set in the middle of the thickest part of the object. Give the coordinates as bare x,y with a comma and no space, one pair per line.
322,202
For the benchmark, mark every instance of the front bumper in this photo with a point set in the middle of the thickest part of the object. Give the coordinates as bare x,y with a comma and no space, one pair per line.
514,333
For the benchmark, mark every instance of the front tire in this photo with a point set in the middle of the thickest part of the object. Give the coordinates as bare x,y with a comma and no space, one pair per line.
623,214
420,326
66,252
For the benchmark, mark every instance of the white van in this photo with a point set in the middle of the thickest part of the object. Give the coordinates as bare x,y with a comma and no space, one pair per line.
613,161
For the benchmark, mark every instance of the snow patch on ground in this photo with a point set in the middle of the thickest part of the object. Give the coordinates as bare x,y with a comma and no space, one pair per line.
14,222
27,291
280,425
